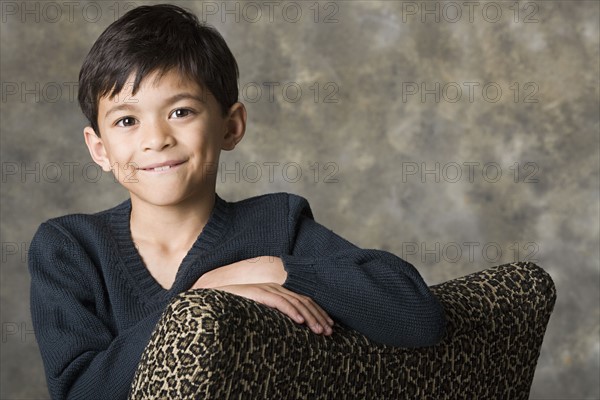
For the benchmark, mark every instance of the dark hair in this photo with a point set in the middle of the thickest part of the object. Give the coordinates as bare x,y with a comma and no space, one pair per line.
156,38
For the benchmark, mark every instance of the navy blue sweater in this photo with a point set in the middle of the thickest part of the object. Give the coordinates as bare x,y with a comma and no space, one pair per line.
94,304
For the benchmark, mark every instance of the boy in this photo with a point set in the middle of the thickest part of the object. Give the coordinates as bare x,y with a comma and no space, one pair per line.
160,93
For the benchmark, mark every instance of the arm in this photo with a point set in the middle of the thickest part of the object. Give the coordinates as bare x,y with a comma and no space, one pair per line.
260,279
83,358
371,291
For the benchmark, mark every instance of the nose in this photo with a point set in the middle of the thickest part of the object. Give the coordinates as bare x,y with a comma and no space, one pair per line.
157,136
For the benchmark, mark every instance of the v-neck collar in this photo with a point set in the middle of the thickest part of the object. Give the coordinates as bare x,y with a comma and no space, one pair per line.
135,269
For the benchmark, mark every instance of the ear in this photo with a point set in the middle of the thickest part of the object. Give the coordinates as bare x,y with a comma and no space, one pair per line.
96,148
235,126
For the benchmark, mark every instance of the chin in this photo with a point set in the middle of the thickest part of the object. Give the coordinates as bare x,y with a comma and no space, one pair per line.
166,198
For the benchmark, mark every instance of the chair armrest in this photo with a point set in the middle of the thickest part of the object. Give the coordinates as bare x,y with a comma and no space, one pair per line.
213,344
505,294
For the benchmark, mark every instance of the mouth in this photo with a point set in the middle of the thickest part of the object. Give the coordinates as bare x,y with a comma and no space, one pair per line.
164,166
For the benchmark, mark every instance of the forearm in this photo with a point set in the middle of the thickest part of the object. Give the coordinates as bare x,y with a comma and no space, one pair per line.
261,279
254,270
373,292
106,374
84,355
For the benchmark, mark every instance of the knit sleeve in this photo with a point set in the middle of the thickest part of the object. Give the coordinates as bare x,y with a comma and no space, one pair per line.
83,358
371,291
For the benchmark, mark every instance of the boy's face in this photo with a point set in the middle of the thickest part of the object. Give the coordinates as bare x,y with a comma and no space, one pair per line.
163,143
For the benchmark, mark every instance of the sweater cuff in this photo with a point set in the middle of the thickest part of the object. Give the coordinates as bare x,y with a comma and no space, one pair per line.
301,276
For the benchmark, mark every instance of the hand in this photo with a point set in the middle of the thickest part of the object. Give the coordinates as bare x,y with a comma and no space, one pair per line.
301,309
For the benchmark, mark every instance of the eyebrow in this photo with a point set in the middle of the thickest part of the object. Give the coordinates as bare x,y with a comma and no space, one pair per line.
173,99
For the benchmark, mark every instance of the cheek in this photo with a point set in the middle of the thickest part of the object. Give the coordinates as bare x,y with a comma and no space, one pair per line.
119,155
115,157
126,173
209,140
210,149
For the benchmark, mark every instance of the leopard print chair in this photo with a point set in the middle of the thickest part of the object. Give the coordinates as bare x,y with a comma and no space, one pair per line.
211,344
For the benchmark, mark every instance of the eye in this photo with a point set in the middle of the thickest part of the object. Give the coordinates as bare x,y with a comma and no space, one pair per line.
125,122
181,113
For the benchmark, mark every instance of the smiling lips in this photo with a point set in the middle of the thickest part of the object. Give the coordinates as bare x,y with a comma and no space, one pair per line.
161,167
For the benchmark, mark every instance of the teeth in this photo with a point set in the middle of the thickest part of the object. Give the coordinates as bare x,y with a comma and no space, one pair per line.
164,168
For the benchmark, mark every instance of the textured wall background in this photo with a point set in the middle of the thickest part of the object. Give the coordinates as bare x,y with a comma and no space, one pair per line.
518,96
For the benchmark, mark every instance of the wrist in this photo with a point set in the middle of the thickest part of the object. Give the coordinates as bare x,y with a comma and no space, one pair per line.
263,269
254,270
278,271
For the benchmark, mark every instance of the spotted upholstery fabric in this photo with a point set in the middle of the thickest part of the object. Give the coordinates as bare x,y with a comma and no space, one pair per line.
211,344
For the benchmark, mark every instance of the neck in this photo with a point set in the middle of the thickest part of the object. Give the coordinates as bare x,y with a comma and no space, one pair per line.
158,225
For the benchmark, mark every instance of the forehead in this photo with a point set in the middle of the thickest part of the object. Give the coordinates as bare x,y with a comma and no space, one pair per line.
154,88
163,81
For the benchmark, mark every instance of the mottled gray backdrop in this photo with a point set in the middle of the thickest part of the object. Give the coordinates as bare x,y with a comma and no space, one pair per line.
457,135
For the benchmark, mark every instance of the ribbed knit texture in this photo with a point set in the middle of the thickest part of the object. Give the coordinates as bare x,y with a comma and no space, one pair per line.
94,304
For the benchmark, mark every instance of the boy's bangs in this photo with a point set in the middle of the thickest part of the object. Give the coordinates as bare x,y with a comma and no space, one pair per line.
116,82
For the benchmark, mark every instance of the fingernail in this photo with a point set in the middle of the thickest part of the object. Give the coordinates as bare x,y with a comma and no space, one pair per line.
299,318
318,327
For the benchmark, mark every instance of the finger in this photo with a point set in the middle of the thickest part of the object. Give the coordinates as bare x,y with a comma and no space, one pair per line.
298,307
320,324
281,302
323,316
316,318
314,307
268,295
